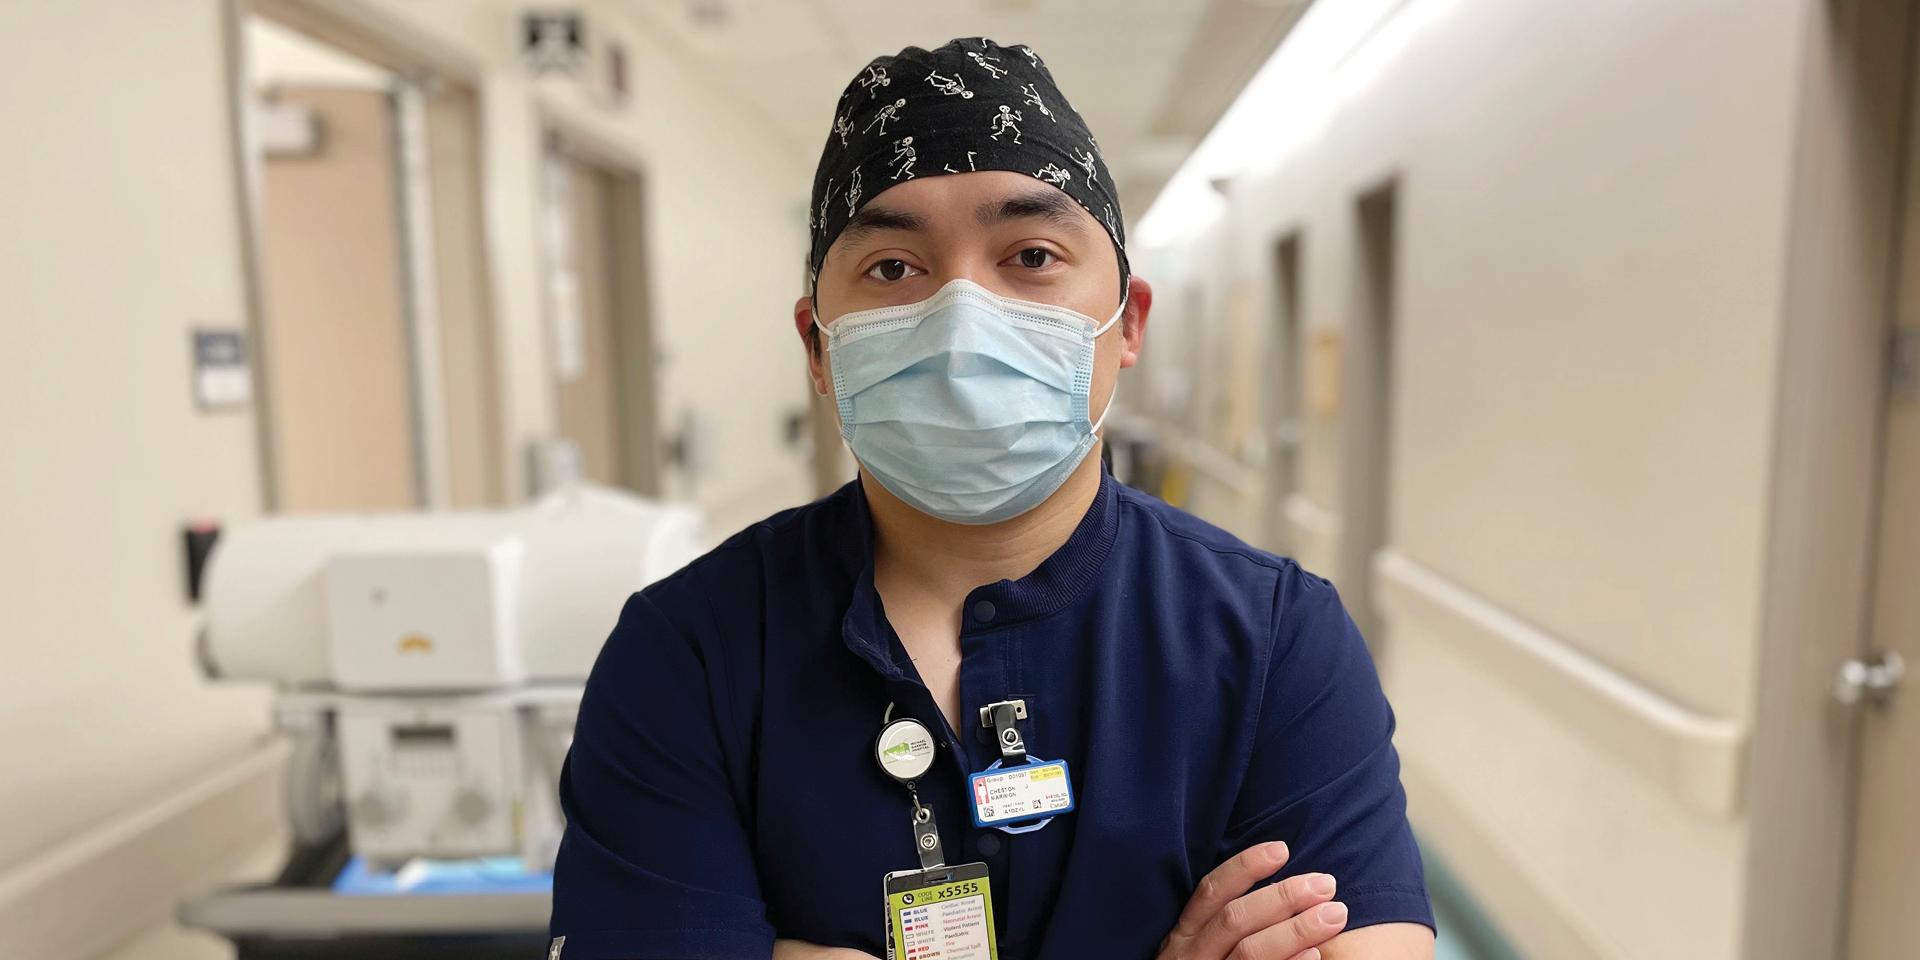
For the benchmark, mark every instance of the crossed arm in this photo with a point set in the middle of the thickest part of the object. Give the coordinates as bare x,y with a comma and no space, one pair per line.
1322,773
1295,919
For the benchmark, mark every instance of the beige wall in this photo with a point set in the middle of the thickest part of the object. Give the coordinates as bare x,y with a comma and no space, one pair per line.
121,236
726,233
117,188
1592,219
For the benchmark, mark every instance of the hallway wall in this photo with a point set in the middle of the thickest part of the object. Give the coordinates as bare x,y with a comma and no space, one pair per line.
726,241
1592,209
122,234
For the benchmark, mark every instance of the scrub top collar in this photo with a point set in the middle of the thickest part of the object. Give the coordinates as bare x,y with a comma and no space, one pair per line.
1059,580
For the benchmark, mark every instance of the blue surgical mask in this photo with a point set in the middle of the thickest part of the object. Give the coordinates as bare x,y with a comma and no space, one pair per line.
969,406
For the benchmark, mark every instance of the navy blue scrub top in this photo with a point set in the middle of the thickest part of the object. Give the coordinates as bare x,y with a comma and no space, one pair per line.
722,788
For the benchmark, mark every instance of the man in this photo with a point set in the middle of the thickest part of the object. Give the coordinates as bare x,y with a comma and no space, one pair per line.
815,739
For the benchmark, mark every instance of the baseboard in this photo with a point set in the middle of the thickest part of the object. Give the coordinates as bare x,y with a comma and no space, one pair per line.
1528,916
98,888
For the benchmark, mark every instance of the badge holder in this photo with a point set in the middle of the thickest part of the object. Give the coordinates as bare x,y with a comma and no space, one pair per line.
1018,793
948,910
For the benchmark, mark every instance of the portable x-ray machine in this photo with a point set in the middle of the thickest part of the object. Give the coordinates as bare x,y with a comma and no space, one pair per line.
428,668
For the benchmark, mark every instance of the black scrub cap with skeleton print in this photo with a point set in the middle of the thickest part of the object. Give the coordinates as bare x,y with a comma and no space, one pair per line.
969,105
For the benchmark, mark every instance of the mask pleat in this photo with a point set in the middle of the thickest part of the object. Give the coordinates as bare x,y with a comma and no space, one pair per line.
967,407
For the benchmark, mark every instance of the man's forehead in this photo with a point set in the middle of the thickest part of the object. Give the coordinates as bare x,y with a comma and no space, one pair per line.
921,211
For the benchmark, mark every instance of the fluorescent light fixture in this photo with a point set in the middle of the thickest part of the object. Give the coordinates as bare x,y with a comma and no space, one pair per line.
1328,58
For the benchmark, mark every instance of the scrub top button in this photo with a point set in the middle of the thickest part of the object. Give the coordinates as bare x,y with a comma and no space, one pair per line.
983,611
988,844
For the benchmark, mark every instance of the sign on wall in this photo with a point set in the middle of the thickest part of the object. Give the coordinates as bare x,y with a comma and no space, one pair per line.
221,377
554,41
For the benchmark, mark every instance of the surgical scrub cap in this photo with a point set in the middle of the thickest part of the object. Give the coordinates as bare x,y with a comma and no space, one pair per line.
969,105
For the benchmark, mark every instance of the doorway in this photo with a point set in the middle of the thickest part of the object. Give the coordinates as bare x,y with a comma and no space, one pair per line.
1885,871
1284,402
600,335
374,326
1367,427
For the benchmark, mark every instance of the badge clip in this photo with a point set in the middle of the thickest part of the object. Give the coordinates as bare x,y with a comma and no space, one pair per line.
1004,719
926,837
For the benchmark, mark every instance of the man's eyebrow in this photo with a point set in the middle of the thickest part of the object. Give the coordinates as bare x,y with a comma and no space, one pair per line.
1044,204
873,219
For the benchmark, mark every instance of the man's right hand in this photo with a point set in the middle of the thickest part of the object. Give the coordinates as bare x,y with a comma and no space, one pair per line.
1282,921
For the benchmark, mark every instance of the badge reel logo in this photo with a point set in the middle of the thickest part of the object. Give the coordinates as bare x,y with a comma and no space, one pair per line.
905,750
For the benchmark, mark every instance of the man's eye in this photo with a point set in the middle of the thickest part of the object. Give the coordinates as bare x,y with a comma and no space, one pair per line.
889,270
1035,257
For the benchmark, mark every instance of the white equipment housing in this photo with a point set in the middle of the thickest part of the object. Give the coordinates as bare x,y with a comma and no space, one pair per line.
429,665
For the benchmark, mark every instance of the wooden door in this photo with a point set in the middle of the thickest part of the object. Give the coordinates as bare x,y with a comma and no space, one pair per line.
335,334
590,399
1884,891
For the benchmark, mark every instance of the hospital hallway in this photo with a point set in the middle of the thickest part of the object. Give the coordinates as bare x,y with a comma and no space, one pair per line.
368,358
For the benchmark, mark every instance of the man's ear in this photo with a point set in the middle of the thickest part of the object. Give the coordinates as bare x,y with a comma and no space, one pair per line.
1133,320
804,324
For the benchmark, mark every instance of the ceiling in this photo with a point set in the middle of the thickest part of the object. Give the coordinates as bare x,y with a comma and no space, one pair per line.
1149,76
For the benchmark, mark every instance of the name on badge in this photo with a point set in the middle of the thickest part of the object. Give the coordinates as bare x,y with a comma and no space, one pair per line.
1030,791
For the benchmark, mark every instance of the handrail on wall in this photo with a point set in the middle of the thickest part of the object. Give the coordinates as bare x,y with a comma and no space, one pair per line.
1699,758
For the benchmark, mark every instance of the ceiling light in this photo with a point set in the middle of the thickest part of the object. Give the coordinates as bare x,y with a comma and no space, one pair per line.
1333,53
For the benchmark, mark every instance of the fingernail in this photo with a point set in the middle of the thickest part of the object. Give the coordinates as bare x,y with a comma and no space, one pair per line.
1331,913
1312,953
1278,851
1320,883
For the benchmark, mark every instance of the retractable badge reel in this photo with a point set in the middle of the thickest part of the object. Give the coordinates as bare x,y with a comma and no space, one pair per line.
905,752
1018,793
947,910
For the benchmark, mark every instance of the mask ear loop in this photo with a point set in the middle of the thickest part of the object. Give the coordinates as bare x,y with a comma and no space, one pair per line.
1103,328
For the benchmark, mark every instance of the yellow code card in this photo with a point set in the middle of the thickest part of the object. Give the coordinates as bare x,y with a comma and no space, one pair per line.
945,913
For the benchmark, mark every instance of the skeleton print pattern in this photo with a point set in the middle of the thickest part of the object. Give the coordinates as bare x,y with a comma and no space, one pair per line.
1005,122
903,157
886,115
956,109
1055,174
875,78
1033,97
1086,162
990,64
949,86
948,167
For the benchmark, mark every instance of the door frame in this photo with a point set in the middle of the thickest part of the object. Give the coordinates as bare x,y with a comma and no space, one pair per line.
1873,755
1285,398
370,34
1841,241
1368,390
592,140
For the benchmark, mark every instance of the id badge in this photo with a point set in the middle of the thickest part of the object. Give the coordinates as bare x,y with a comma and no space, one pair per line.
945,913
1003,796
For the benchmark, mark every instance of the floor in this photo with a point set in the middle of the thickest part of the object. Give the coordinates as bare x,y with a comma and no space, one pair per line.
1465,932
174,942
1450,945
